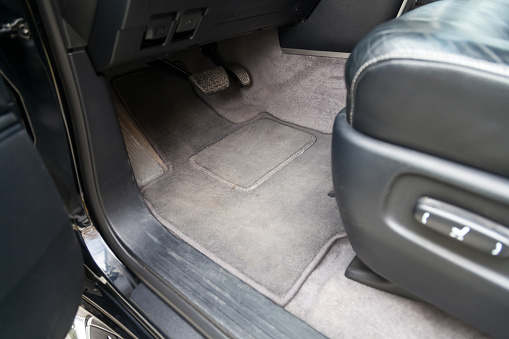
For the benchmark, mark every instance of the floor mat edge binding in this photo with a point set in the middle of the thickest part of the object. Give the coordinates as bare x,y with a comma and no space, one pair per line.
263,116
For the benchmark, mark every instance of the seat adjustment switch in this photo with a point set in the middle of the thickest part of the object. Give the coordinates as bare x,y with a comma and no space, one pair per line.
463,226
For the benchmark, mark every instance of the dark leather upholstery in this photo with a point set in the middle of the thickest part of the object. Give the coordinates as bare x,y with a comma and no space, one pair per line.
437,80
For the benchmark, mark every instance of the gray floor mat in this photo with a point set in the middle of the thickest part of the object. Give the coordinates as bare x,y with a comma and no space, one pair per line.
271,236
304,90
341,308
251,155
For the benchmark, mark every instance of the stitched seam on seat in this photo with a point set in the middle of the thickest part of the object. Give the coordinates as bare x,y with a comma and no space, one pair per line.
458,60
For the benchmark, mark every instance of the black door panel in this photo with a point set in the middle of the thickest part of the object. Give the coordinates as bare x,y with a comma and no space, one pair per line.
40,258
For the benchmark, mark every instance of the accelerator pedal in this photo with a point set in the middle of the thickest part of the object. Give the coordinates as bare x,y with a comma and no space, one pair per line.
210,81
239,74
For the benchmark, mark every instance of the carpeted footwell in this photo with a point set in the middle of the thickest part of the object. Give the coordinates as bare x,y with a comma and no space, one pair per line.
342,308
251,196
304,90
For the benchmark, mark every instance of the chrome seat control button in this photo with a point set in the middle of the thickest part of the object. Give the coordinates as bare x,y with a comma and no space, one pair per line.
463,226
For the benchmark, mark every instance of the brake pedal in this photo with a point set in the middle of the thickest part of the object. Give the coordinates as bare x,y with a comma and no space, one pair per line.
210,81
239,74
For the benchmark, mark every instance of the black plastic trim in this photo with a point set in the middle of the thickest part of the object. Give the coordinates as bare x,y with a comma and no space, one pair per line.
337,26
359,272
387,180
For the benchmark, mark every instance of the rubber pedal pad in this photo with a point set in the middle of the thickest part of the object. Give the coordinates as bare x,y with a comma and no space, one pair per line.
210,81
239,73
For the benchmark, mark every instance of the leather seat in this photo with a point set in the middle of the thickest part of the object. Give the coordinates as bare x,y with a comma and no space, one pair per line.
437,80
428,117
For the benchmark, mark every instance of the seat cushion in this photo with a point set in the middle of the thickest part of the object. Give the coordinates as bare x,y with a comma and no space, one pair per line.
437,80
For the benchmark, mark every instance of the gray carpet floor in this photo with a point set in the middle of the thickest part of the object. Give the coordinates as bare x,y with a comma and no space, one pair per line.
182,127
303,90
253,197
341,308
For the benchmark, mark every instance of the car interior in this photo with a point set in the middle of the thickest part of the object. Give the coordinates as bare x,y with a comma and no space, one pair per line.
296,168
